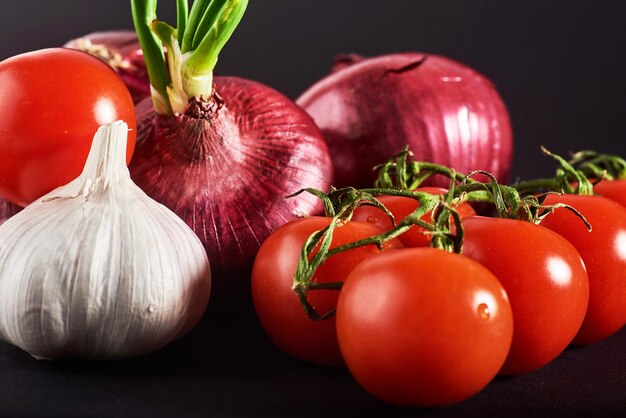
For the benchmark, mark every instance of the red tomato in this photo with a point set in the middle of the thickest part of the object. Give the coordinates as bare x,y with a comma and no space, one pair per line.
546,282
401,207
604,252
52,102
423,327
277,306
612,189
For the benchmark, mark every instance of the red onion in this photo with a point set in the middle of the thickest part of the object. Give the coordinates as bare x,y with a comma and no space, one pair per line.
370,109
221,152
226,169
7,209
120,49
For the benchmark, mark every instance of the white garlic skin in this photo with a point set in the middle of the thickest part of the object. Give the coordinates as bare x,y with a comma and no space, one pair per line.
96,269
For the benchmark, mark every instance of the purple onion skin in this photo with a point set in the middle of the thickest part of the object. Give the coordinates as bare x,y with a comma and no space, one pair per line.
370,109
7,209
227,176
128,62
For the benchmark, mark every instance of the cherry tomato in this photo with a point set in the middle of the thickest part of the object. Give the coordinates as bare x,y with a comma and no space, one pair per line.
604,252
545,279
52,102
423,327
612,189
277,306
401,207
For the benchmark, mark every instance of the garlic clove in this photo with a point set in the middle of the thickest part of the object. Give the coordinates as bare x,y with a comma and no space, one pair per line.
97,269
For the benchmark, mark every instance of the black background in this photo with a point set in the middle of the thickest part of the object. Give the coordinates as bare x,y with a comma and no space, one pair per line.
559,66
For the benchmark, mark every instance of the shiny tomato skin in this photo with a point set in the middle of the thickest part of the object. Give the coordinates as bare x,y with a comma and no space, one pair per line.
401,207
612,189
604,252
545,279
422,327
277,306
52,102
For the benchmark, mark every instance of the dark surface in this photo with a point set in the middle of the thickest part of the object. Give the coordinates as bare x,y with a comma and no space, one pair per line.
228,368
559,66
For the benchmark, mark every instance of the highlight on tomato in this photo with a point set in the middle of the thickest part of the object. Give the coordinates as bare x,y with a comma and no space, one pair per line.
423,327
545,280
278,307
52,101
603,249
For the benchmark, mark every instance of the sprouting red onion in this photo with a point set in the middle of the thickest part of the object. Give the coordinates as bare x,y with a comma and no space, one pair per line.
226,165
120,49
447,113
7,209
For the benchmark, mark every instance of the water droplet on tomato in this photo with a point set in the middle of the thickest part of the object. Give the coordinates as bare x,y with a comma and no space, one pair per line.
483,311
372,219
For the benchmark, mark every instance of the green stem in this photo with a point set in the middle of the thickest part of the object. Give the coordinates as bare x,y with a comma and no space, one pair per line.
476,196
344,201
400,173
182,13
208,20
599,166
567,173
212,34
398,177
197,10
144,12
535,185
192,48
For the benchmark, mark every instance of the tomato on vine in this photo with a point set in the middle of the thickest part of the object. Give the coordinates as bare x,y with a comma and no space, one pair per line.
603,249
277,306
423,327
545,279
52,101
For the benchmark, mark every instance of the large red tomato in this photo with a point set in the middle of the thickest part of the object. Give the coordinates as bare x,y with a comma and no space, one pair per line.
277,306
401,207
545,279
423,327
52,102
604,252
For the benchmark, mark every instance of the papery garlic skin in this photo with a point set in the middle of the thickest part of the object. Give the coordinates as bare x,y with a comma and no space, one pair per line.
96,269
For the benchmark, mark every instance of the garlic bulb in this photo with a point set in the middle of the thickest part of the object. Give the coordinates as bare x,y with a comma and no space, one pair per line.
96,269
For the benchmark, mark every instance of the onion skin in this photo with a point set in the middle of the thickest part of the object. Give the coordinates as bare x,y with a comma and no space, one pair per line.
370,109
227,176
120,49
7,209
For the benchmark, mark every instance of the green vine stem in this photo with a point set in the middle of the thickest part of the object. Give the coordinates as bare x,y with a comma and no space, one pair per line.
567,180
400,172
599,166
192,48
399,177
341,204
